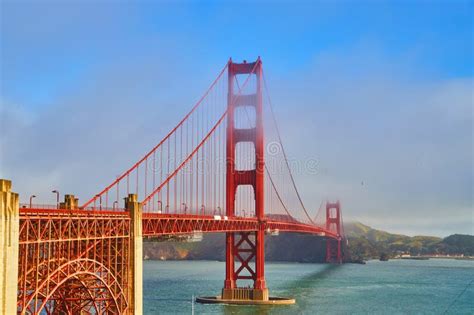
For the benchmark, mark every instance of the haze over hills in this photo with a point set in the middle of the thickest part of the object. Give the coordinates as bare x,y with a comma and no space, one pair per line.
364,242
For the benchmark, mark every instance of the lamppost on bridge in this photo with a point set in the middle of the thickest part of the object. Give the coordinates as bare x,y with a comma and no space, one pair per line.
114,205
31,200
57,197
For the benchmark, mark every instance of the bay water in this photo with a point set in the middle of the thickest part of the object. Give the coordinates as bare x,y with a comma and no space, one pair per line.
435,286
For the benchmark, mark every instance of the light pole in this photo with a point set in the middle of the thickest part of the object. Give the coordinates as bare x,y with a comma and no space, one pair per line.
115,204
57,197
31,200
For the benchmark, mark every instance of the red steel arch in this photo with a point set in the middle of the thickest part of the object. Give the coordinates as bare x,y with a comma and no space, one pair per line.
71,259
81,268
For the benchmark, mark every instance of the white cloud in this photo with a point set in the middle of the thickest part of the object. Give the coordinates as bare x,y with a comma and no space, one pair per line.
390,147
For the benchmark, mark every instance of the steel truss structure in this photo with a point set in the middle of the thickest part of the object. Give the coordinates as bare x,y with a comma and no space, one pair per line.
73,262
163,224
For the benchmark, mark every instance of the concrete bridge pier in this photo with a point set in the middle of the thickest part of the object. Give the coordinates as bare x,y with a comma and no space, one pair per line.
136,254
70,203
9,247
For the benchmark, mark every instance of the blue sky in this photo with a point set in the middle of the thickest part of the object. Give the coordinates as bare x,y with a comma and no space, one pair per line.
396,74
49,47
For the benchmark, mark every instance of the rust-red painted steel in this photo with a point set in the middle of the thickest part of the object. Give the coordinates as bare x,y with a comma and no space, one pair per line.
175,224
162,224
259,282
73,261
76,260
244,246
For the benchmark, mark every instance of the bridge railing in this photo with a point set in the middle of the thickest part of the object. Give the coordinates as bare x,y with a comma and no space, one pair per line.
161,223
54,209
217,214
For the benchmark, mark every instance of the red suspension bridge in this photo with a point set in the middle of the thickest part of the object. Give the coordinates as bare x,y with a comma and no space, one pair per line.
221,169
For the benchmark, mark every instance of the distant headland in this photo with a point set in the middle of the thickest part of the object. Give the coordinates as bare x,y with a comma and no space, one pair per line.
363,243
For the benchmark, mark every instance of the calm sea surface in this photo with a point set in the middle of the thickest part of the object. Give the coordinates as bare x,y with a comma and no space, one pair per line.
434,286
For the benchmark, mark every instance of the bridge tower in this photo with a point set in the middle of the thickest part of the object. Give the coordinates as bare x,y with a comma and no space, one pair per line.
243,247
333,223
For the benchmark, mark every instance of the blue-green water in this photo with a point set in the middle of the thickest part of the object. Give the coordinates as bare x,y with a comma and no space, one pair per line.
432,286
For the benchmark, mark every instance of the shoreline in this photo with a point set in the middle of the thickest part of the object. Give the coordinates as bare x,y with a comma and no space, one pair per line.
268,261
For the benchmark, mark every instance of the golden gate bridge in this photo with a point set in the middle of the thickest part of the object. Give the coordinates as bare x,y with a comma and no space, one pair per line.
221,169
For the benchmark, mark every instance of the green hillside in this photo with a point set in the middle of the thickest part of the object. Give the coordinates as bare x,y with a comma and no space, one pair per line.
364,243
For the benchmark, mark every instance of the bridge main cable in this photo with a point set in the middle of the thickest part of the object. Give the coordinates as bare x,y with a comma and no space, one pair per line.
196,149
284,152
136,165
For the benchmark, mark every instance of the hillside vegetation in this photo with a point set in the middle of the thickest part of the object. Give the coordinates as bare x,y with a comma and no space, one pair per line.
364,242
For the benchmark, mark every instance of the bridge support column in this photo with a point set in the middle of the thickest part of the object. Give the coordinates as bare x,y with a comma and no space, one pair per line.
333,222
245,248
70,202
9,247
136,254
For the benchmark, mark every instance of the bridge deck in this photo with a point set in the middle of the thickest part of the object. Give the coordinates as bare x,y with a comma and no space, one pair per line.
175,224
